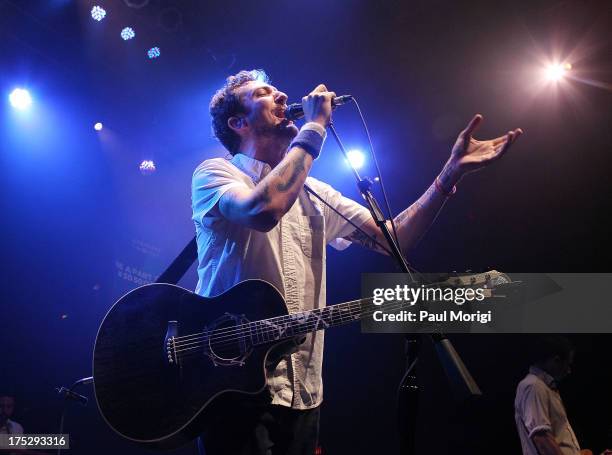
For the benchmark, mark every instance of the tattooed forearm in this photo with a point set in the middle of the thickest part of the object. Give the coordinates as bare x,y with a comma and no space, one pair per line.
298,168
414,222
368,241
447,179
407,214
411,224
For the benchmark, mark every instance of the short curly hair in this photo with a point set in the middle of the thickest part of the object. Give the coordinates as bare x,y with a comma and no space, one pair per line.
225,104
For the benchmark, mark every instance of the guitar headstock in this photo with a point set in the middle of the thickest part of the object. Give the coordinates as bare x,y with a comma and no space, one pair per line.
489,280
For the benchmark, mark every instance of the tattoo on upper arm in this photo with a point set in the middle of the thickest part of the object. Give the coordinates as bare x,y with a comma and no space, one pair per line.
298,168
265,193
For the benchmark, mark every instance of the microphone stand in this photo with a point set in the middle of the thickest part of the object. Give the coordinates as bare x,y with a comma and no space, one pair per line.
365,186
462,382
69,394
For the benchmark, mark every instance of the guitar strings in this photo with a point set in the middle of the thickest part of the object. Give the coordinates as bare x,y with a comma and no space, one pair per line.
217,339
292,316
246,330
276,320
188,353
265,333
185,353
264,324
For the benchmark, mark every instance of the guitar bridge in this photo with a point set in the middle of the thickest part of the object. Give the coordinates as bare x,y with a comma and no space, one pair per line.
170,344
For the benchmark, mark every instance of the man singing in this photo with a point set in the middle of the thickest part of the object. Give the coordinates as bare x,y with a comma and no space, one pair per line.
255,219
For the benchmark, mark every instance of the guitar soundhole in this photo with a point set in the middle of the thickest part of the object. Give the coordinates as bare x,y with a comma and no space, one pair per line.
228,340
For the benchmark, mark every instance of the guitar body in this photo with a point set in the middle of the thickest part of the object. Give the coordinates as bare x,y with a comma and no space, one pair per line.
163,397
167,361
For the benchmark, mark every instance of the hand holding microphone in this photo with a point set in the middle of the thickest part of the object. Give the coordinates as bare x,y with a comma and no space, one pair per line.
316,106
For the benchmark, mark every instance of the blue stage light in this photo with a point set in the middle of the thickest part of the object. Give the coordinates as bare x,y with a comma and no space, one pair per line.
98,126
147,167
356,158
98,13
128,33
154,52
20,99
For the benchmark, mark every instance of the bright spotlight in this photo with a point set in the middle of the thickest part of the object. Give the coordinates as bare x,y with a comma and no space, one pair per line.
147,167
20,99
356,158
555,72
127,33
98,13
154,52
98,126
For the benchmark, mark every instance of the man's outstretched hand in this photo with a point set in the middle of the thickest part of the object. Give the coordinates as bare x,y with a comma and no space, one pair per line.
469,155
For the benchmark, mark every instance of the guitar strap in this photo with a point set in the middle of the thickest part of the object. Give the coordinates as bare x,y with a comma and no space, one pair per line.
179,266
358,228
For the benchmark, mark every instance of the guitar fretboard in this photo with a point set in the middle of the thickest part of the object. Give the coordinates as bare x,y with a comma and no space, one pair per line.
295,324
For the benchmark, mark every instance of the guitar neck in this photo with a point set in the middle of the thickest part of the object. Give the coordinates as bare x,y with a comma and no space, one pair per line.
295,324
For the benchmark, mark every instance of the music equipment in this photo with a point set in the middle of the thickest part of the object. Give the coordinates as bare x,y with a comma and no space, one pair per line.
295,111
165,358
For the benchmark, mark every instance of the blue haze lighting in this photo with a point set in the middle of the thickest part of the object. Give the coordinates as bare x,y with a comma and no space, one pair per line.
154,52
127,33
356,158
20,99
98,13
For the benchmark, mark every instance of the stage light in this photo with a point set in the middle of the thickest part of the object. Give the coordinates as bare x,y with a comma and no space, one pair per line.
20,99
98,126
356,158
127,33
147,167
154,52
557,71
98,13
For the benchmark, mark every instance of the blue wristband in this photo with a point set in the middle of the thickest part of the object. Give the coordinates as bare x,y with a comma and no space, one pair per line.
309,140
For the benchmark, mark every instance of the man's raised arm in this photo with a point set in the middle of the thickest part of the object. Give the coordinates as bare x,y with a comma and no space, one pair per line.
468,155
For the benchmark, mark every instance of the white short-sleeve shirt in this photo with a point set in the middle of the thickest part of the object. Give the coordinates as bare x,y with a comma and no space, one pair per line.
291,256
11,427
538,407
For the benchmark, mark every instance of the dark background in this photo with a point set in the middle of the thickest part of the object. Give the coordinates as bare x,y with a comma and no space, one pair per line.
81,225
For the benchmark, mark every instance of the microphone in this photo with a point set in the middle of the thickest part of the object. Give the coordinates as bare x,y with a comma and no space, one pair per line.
295,111
70,395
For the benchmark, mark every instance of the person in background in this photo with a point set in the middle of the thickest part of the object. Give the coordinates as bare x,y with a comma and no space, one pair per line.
540,416
7,407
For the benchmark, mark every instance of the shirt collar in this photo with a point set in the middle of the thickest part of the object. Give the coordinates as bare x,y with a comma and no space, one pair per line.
255,169
544,376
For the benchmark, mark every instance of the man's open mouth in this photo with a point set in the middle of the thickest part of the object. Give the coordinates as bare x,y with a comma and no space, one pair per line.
280,112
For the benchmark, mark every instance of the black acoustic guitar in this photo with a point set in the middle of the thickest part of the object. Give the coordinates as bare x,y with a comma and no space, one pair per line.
165,357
